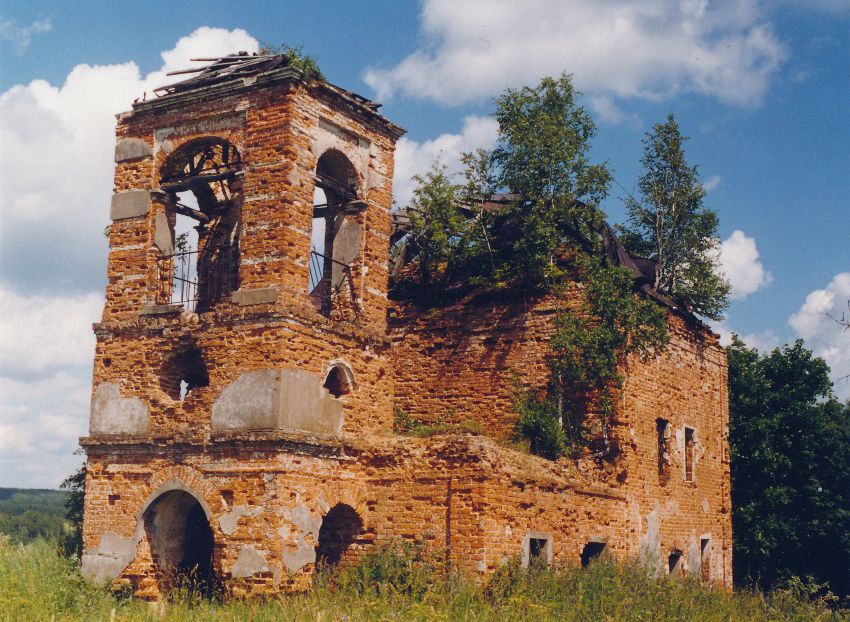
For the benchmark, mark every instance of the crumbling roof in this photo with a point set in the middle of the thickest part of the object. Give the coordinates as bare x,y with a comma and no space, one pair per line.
241,66
643,270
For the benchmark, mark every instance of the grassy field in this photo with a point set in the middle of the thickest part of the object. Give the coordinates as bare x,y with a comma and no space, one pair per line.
37,584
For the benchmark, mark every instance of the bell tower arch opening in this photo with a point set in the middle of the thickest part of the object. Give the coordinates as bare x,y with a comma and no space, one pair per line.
202,185
336,235
181,543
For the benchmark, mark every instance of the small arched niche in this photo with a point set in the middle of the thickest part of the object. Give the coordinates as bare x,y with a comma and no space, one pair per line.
338,536
336,234
339,379
181,543
202,187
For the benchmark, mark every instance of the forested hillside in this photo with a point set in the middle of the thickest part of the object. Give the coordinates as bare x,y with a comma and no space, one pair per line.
27,514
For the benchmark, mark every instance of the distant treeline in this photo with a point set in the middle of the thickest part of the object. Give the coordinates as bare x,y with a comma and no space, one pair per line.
27,514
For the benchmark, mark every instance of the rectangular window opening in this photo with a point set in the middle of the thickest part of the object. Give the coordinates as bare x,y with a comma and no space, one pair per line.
590,552
539,552
662,428
705,559
689,454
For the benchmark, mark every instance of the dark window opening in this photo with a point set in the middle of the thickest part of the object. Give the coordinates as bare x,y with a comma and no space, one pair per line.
112,499
227,497
590,552
338,382
675,563
539,551
183,372
705,558
335,237
689,454
338,536
662,428
202,186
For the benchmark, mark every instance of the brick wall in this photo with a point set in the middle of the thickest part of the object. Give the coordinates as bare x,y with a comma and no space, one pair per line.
266,492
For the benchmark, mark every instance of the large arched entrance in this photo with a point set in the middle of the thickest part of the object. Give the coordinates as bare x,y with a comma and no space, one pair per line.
338,535
181,542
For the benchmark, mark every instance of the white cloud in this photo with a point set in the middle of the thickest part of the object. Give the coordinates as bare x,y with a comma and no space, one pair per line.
711,183
412,158
56,171
636,48
39,333
40,423
20,37
739,261
56,163
822,333
763,342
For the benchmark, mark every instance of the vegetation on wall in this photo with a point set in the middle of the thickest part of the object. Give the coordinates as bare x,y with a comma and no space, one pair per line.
295,57
790,443
543,237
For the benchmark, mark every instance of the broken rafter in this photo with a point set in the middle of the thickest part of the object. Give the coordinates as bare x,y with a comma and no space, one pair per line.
185,210
188,182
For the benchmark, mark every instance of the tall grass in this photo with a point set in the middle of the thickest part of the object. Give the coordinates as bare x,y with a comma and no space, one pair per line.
400,582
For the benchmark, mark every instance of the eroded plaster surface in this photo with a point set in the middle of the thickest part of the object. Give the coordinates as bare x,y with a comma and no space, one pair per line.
111,413
109,558
249,562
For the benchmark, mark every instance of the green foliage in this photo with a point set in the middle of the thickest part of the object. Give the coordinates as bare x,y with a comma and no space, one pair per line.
26,515
437,229
396,568
295,57
408,425
75,484
409,584
790,444
543,156
589,345
670,225
541,423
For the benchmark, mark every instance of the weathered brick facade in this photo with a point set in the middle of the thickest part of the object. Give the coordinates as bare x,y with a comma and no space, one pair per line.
250,429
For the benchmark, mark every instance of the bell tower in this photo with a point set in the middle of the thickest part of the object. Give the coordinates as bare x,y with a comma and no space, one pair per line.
245,310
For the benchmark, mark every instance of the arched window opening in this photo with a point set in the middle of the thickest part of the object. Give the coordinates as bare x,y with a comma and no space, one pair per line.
339,380
184,372
181,543
335,238
338,536
202,185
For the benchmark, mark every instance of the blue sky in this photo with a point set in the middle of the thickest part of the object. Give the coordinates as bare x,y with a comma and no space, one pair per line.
760,88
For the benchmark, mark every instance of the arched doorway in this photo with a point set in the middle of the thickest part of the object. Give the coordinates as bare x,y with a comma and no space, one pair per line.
181,542
340,530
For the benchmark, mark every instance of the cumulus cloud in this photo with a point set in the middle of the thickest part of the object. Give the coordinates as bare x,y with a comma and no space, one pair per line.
40,423
815,322
20,37
56,173
646,49
412,157
763,342
56,164
711,183
41,333
739,262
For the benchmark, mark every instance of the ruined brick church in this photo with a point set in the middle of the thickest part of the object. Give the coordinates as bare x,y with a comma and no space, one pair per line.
249,359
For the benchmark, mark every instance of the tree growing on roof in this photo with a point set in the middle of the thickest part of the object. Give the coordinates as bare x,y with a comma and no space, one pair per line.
543,156
669,224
